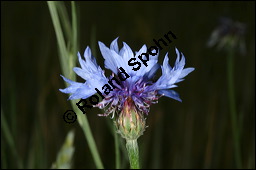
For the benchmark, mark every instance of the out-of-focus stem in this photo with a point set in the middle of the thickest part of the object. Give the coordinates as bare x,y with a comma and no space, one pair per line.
67,59
232,106
83,121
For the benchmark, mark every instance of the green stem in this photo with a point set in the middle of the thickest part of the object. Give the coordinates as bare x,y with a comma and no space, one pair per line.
74,27
117,151
232,106
83,121
133,153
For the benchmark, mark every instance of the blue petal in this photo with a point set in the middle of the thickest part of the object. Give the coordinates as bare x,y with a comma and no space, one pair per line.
114,45
170,93
170,75
112,59
70,89
88,56
166,67
81,61
68,80
149,75
83,92
80,72
186,71
128,54
73,86
150,64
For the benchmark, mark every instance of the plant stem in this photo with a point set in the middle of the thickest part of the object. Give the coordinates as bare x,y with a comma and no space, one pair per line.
74,27
133,153
232,106
83,122
117,151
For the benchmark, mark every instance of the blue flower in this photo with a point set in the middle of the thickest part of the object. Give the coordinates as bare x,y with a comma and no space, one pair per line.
139,87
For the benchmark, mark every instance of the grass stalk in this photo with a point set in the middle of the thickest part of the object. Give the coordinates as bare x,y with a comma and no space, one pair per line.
68,61
232,106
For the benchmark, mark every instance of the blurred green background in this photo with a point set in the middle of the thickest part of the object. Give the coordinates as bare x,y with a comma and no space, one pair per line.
196,133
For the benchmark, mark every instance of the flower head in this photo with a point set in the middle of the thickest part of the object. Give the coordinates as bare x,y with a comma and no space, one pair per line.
138,88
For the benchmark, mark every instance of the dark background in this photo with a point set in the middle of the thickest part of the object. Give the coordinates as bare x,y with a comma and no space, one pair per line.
196,133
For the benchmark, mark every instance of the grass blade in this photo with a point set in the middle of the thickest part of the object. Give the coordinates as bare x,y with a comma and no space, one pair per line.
68,61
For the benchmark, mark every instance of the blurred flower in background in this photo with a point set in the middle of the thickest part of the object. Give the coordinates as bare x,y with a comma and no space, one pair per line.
227,34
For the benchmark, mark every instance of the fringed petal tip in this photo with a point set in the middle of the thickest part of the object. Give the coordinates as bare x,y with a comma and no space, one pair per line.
170,93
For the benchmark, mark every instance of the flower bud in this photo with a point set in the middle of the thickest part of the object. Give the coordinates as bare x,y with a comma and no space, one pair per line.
130,122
